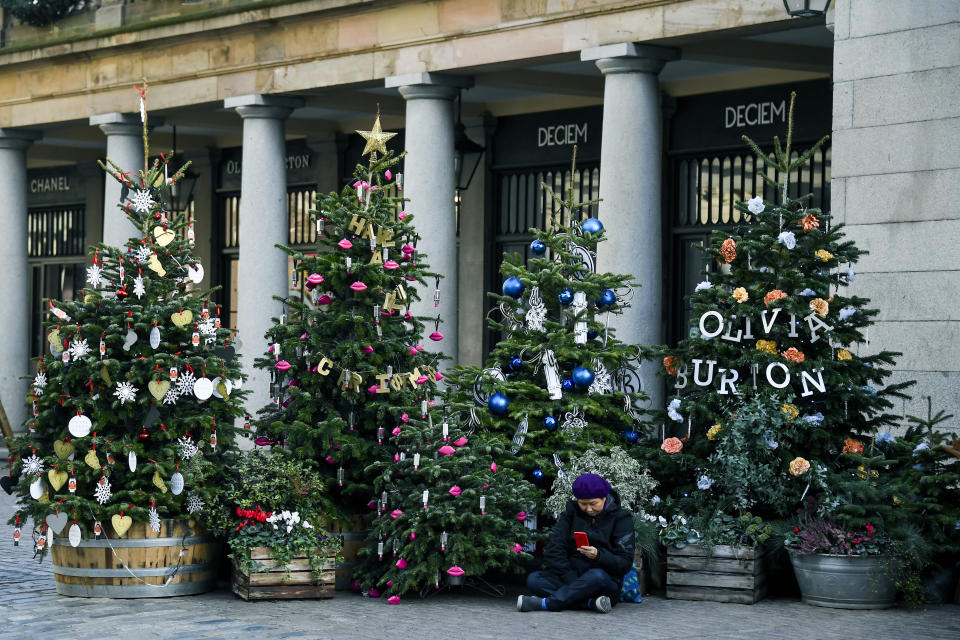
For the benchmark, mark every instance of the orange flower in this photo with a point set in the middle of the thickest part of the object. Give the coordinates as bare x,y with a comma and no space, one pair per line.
776,294
767,346
670,364
714,431
799,466
821,306
794,355
729,250
740,295
852,446
809,223
790,410
672,445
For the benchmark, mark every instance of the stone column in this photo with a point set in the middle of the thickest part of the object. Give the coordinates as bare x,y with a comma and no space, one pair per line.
14,284
124,133
429,183
630,185
262,269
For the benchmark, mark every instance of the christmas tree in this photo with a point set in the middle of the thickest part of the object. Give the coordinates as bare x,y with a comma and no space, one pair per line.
558,381
349,350
446,512
133,407
776,380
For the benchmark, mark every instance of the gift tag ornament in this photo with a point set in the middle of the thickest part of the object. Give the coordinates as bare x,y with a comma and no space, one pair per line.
158,388
132,460
56,522
74,535
121,524
57,478
176,483
155,337
129,340
79,426
160,484
36,489
163,236
97,528
203,388
182,318
155,265
92,460
63,449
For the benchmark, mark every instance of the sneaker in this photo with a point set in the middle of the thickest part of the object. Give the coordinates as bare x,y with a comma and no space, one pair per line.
529,603
602,604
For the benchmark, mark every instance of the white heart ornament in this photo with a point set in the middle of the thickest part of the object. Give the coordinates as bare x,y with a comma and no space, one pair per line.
79,426
56,522
74,534
203,388
132,461
195,272
176,483
36,489
155,337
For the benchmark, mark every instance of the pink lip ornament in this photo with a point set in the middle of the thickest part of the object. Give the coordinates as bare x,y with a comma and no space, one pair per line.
345,244
358,286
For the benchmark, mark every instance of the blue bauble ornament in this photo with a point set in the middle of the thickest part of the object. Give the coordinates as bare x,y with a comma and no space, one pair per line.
513,287
607,299
537,473
498,404
537,248
565,297
592,334
582,377
550,423
591,225
566,384
516,363
631,436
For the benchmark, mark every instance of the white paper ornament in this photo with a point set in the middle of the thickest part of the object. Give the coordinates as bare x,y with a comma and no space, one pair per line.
74,535
79,426
132,461
195,273
129,340
56,521
176,483
155,337
36,489
203,388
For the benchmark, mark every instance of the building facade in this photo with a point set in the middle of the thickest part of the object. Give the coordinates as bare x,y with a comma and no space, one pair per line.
264,98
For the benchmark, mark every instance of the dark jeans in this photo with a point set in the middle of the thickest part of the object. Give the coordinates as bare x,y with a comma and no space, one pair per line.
593,583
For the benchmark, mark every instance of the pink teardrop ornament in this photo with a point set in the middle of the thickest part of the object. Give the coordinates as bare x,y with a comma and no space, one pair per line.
403,214
517,548
388,175
368,349
401,564
437,376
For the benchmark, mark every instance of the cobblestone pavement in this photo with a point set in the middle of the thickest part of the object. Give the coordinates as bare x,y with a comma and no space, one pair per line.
30,608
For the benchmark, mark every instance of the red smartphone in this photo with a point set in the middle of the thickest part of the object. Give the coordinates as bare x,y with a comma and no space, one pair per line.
581,539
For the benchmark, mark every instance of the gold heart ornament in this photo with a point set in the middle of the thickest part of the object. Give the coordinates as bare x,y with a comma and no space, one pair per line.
63,449
158,482
121,524
163,236
154,264
182,318
57,478
158,388
92,460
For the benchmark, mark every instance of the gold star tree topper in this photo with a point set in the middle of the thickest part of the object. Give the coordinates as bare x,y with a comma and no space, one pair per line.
376,138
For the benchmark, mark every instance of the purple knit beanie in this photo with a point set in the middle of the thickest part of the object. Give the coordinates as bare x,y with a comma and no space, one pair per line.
590,485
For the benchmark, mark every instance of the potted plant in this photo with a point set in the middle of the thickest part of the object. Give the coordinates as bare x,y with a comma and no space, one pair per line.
279,546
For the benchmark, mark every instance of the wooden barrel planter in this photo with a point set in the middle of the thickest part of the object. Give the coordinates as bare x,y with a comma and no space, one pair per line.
352,535
138,564
296,579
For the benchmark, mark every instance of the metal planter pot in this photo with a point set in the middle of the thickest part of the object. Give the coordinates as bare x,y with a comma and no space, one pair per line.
845,582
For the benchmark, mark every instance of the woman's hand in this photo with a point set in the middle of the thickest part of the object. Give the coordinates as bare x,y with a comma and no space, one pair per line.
589,552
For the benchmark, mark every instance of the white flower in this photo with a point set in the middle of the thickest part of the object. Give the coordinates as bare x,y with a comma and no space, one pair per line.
662,521
706,284
655,500
672,410
808,292
787,239
846,313
704,483
756,204
683,520
923,446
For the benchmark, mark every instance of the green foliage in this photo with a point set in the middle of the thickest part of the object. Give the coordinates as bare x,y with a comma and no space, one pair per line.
40,13
627,476
94,334
451,529
352,359
678,532
746,529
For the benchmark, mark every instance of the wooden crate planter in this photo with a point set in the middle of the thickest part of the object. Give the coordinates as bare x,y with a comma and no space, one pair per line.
720,574
294,580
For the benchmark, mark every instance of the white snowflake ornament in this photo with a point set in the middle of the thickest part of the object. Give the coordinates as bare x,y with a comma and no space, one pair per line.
187,448
154,520
194,504
138,288
602,383
33,464
142,201
185,383
102,493
171,396
94,275
143,253
125,392
39,382
79,349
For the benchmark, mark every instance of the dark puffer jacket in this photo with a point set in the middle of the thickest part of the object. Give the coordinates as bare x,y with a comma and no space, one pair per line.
610,531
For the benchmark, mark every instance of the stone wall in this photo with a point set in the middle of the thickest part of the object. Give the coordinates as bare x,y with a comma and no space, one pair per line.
896,181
